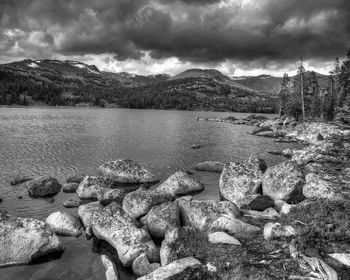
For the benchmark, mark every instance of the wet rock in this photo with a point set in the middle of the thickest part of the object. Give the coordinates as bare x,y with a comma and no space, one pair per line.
114,195
210,166
64,224
185,269
284,181
113,225
43,186
75,178
161,218
180,184
222,238
141,265
261,129
271,134
91,186
261,202
201,214
276,230
127,171
19,179
239,180
111,269
23,240
71,203
70,187
342,258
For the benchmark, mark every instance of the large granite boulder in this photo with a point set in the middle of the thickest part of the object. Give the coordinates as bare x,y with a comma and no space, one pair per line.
91,186
184,269
200,214
161,218
113,225
180,184
210,166
23,240
127,171
240,180
43,186
64,224
284,181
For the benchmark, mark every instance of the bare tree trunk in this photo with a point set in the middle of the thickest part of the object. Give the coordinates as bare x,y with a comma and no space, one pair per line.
302,89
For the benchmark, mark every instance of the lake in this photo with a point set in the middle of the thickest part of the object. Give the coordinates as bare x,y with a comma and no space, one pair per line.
62,141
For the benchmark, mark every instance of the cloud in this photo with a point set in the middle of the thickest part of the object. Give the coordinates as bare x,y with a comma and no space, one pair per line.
259,34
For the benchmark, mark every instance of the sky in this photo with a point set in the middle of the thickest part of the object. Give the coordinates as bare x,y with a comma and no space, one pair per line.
237,37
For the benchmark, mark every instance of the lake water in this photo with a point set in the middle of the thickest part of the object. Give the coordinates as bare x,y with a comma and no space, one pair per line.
59,142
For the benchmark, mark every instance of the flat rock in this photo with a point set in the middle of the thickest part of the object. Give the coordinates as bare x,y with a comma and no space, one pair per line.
184,269
75,178
43,186
19,179
161,218
70,187
113,225
222,238
23,240
283,181
210,166
180,184
64,224
239,180
127,171
201,214
141,265
71,203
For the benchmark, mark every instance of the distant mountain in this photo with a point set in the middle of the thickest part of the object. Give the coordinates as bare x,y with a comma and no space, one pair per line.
56,82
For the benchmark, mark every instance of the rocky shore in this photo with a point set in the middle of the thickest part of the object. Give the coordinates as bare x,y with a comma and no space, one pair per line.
289,221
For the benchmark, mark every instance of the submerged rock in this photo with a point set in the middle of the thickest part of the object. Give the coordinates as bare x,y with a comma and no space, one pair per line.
239,180
180,184
127,171
23,240
71,203
222,238
200,214
70,187
75,178
43,186
19,179
113,225
161,218
64,224
210,166
284,181
184,269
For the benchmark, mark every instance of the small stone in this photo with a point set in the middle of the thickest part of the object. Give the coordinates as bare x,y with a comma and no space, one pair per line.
222,238
19,179
209,166
75,178
276,230
71,203
195,146
70,187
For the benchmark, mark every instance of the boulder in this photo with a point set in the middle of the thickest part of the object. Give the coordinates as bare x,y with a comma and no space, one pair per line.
113,225
111,269
64,224
161,218
261,202
19,179
43,186
284,181
276,230
109,196
180,184
184,269
23,240
70,187
200,214
210,166
239,180
71,203
75,178
91,186
141,265
222,238
342,258
127,171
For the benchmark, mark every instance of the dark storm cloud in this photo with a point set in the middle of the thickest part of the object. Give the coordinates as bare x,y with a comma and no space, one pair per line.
193,30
